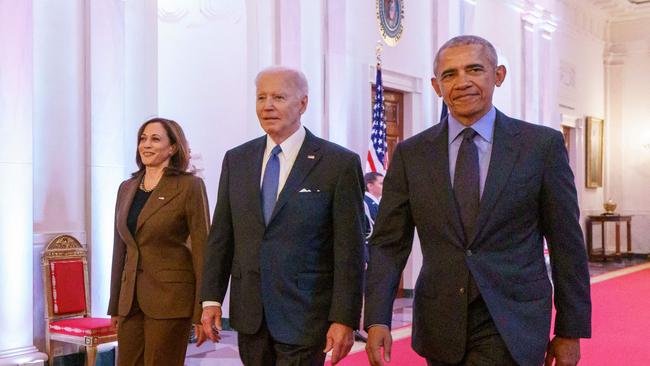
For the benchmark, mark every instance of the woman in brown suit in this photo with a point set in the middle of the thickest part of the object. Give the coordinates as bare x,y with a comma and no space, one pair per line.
161,225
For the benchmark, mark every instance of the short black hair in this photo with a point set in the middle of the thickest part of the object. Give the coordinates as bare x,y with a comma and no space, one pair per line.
371,177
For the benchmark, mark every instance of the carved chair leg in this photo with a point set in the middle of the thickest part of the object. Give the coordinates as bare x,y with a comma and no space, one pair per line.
91,355
48,349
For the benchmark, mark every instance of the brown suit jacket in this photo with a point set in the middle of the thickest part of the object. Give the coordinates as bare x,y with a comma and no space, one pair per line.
162,265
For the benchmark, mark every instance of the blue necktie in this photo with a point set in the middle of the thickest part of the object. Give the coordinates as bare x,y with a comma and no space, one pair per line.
467,183
270,183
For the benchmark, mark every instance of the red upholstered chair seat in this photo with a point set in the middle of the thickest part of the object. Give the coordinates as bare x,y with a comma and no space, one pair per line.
83,327
68,286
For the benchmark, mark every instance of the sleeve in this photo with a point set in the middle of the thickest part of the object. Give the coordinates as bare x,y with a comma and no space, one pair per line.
219,248
198,217
390,244
117,266
561,227
348,226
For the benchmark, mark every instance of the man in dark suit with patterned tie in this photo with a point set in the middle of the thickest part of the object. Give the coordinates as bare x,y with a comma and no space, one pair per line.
483,191
288,230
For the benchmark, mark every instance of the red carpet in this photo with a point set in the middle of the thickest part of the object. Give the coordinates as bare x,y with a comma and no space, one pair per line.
620,322
402,355
620,327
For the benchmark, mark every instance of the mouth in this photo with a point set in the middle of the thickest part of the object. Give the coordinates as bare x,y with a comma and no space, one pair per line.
465,97
147,154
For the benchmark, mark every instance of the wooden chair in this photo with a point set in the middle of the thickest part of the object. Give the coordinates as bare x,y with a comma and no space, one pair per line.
67,309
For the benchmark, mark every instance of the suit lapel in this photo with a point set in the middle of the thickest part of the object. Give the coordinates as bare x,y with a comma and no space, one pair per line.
307,158
436,155
252,166
123,207
166,190
505,150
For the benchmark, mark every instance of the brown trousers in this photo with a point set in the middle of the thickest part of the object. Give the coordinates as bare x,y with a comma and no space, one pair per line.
144,341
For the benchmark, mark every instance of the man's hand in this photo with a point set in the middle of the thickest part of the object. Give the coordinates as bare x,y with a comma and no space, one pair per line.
115,322
211,322
199,334
565,352
378,337
339,339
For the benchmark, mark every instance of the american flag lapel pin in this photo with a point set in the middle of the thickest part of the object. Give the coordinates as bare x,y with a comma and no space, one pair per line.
312,157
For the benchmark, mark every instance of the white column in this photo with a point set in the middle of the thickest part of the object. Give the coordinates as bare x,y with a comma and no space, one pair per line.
549,110
59,132
530,86
16,187
614,142
107,138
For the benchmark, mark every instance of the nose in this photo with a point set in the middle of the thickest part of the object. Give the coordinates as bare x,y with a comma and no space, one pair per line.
463,81
268,103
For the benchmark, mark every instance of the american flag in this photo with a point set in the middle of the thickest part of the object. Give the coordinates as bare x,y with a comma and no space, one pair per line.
377,149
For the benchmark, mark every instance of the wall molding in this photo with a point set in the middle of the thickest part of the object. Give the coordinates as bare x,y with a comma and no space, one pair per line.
396,80
44,238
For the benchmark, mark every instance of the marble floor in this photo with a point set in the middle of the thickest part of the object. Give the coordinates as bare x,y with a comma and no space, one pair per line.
226,353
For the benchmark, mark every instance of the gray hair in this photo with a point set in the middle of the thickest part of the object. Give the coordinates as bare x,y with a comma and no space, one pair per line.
297,77
464,41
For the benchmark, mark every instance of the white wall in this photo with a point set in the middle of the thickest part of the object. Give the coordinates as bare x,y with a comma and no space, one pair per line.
628,121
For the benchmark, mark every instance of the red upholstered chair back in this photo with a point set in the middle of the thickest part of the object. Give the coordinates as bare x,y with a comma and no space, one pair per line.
68,286
65,278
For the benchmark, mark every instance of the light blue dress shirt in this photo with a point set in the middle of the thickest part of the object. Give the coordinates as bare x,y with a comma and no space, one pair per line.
484,140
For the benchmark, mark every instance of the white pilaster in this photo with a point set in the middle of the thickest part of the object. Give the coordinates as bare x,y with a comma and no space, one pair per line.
16,187
107,138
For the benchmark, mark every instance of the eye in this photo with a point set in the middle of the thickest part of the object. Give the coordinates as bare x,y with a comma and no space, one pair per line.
446,76
261,97
279,97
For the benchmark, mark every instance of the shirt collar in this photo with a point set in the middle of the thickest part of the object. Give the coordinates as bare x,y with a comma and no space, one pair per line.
290,146
373,198
484,126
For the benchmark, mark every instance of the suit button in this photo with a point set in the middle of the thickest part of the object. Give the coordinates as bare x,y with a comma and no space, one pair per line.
462,290
469,253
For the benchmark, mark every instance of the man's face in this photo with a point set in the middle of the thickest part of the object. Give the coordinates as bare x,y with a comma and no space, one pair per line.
376,187
465,79
279,104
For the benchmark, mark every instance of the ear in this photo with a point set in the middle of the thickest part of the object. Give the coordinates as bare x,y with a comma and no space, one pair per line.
303,104
500,75
436,87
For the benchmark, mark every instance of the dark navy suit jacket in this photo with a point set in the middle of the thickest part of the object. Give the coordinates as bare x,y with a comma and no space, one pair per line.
373,208
529,195
302,271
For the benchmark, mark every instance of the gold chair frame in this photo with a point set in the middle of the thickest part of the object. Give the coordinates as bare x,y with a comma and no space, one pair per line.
66,247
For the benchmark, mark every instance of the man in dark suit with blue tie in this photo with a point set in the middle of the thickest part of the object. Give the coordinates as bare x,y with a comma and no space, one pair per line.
288,230
483,191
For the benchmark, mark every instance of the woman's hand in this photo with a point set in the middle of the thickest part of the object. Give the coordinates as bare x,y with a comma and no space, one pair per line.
115,322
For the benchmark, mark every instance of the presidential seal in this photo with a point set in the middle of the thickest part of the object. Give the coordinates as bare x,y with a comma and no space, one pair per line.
390,16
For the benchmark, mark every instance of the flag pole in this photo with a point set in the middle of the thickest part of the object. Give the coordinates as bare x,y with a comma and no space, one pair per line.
378,49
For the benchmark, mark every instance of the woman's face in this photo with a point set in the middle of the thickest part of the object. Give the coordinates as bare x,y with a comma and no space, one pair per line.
155,148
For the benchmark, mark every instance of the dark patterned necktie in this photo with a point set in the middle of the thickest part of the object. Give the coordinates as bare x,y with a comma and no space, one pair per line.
467,183
270,183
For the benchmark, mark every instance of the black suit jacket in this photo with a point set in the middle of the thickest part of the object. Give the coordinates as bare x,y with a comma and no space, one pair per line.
302,271
529,194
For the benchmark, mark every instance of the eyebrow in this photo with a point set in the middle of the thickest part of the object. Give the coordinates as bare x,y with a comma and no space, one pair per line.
474,65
